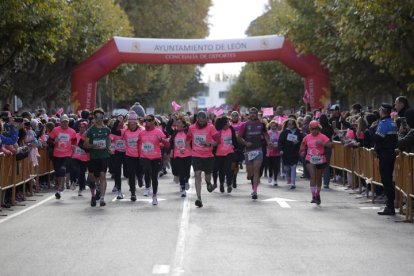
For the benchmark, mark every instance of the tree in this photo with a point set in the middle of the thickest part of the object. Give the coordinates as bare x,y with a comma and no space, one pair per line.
43,40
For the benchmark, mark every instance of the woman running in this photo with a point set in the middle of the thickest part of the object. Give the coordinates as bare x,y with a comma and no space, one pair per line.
118,156
180,153
314,144
149,144
80,159
273,155
289,145
224,152
130,137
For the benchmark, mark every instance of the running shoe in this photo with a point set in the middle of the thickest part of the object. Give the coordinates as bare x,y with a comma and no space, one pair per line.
183,193
187,186
209,187
114,189
154,200
214,186
120,195
198,203
97,194
93,201
275,184
221,188
313,199
57,195
318,200
146,191
229,188
254,195
102,202
133,197
80,192
269,179
292,187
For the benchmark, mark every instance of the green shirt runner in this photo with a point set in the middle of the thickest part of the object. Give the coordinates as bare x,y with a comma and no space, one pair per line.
99,138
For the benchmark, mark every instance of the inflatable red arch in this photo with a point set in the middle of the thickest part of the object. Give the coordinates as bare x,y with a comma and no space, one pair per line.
196,51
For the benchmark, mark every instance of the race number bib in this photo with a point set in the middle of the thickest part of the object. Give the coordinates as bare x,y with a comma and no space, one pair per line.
132,142
251,155
79,151
120,144
292,137
147,147
227,140
200,139
316,159
63,138
99,143
179,143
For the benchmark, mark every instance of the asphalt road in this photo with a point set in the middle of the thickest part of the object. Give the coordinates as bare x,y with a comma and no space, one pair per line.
281,233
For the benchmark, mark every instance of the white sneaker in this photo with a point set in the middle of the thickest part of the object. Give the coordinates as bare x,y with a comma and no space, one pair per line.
270,179
187,186
146,191
154,200
120,195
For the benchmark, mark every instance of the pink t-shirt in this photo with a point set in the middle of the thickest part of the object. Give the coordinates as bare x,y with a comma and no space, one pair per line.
66,138
131,142
225,144
274,140
79,153
199,137
149,143
118,142
237,126
179,143
315,153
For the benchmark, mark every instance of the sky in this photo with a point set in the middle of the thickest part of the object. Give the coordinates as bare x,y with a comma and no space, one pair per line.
230,19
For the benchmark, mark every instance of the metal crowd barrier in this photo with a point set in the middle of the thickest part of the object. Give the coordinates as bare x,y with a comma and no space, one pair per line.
19,173
361,162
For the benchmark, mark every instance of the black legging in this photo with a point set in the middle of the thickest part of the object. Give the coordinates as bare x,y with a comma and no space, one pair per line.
134,171
78,170
182,168
150,169
274,166
222,166
117,160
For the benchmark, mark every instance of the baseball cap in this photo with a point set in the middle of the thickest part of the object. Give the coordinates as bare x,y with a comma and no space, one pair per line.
64,117
314,124
334,107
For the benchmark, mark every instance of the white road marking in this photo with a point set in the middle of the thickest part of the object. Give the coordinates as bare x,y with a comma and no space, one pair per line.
177,267
283,202
27,209
161,269
369,208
